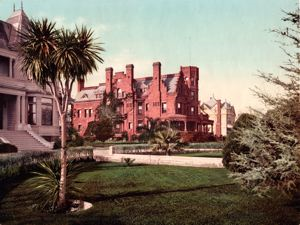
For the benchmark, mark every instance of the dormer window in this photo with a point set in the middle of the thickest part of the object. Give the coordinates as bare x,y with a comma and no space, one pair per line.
84,96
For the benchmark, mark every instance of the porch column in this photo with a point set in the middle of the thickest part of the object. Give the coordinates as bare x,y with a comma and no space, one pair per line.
23,110
185,122
18,114
10,67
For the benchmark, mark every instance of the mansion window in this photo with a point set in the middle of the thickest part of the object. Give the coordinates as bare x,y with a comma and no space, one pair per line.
147,106
86,112
130,126
179,108
4,66
78,113
79,127
90,112
193,94
192,110
47,111
140,123
192,81
119,93
31,119
164,107
140,108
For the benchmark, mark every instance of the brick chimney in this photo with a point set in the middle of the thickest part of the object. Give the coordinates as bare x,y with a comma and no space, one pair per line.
157,74
80,85
108,81
130,74
218,121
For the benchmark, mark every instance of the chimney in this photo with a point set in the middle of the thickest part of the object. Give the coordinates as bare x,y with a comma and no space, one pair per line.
129,71
157,74
80,85
218,121
108,81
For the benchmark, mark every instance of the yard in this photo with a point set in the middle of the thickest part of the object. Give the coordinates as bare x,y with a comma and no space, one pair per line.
144,194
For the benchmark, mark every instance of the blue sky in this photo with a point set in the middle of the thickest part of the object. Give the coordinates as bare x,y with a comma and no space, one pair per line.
228,40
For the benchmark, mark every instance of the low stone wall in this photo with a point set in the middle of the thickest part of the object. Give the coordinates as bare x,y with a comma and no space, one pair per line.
106,155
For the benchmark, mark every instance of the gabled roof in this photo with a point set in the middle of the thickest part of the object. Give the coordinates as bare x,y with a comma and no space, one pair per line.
90,93
211,102
19,20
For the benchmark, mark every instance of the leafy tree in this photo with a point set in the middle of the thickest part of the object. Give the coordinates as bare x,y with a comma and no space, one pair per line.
101,129
166,140
273,160
108,109
232,143
55,59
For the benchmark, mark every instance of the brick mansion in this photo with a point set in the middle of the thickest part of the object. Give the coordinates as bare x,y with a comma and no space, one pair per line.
170,97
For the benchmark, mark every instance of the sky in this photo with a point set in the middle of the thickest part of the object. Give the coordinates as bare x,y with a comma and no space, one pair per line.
230,41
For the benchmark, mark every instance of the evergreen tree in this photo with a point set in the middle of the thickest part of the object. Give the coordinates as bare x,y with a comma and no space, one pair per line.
273,159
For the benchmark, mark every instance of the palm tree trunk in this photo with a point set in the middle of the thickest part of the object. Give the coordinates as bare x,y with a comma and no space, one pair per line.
63,163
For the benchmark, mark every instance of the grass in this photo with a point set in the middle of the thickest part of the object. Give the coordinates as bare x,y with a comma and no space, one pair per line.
209,154
144,194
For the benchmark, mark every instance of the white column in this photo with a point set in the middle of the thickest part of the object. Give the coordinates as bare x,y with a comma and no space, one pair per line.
23,110
17,121
10,67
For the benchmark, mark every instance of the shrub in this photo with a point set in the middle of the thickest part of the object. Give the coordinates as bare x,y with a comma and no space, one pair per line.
102,129
20,163
80,153
128,161
7,148
232,144
46,183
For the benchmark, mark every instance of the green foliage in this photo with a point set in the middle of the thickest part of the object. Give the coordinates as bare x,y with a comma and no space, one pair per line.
102,129
15,164
205,145
273,160
45,183
73,139
7,148
81,153
166,140
148,131
232,142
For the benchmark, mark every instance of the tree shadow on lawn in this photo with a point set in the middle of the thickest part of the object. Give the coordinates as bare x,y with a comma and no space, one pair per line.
100,197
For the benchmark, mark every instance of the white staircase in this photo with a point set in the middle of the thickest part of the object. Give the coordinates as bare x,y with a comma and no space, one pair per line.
23,140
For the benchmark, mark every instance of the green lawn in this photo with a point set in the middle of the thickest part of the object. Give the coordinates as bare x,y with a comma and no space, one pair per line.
210,154
153,195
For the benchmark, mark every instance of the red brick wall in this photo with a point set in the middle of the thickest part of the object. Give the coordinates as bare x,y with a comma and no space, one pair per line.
122,84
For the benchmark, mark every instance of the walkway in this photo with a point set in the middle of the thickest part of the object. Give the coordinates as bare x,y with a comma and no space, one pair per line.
105,155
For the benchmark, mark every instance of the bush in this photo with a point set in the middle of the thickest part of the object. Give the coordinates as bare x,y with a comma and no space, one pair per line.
232,145
205,145
46,182
128,161
7,148
19,163
80,153
102,129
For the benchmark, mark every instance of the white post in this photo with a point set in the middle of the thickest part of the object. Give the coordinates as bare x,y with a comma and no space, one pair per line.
17,122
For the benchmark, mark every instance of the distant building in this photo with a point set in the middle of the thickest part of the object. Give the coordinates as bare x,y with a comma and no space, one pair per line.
171,97
26,111
223,115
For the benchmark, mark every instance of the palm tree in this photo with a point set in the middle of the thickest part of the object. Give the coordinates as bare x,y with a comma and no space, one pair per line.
149,130
166,140
55,59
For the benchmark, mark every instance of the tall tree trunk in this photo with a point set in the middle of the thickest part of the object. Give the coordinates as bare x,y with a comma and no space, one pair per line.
63,163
